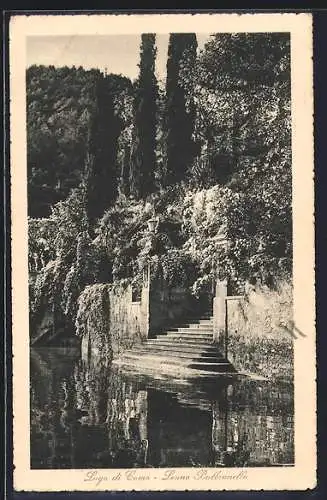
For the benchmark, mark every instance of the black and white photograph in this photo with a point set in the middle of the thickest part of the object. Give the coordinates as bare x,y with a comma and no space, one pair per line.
166,253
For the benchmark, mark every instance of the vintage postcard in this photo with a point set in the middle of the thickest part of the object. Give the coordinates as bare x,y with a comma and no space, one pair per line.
163,303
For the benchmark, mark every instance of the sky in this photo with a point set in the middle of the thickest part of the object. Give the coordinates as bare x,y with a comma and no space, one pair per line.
114,53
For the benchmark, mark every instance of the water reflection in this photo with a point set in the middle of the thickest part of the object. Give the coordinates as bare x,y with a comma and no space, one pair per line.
85,414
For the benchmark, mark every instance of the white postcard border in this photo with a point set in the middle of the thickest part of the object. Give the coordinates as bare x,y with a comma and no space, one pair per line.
303,474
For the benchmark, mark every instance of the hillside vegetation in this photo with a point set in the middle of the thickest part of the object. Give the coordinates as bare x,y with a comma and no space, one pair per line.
207,156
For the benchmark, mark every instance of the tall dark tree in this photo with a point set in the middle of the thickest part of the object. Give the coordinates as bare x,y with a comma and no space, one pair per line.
143,165
101,175
125,170
180,106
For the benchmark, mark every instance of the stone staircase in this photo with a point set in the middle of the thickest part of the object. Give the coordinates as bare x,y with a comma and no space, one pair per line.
185,350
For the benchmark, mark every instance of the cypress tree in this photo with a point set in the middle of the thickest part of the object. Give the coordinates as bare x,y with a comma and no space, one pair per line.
180,110
101,175
143,165
125,170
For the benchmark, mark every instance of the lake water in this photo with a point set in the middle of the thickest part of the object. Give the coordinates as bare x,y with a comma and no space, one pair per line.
91,415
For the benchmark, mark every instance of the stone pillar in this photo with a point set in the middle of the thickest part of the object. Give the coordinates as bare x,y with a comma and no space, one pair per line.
145,303
219,314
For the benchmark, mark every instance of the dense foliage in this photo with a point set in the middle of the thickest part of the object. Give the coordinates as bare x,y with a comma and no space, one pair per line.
131,246
193,179
242,96
243,124
92,319
73,259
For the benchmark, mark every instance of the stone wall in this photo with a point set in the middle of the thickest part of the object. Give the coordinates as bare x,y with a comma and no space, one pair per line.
219,314
257,337
159,307
129,320
116,318
112,321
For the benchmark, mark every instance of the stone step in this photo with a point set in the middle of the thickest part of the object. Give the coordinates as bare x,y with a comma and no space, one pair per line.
192,323
198,349
152,357
214,367
198,333
205,357
172,360
181,356
191,330
201,324
203,317
192,342
187,350
184,336
189,343
151,369
195,337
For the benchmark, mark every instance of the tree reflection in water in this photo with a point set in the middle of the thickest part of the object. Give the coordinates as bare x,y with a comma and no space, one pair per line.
84,414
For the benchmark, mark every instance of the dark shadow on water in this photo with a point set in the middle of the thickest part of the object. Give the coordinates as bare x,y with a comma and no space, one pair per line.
89,415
